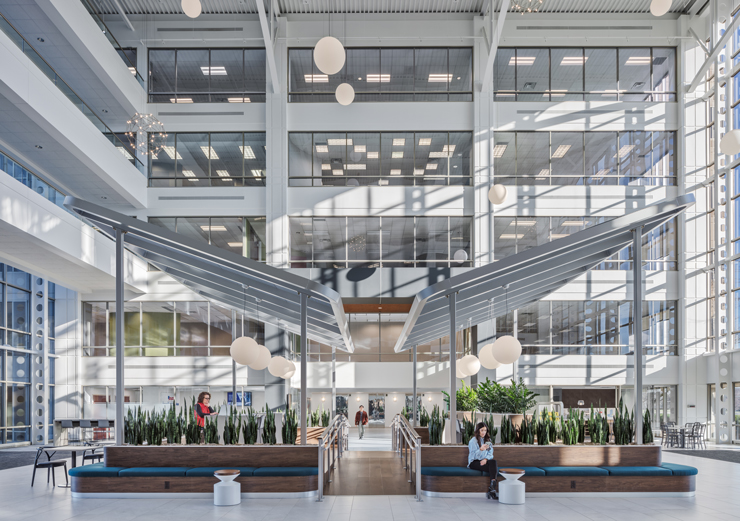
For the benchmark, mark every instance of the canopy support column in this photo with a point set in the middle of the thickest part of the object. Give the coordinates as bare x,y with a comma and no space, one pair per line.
304,367
233,362
414,412
637,327
453,370
119,337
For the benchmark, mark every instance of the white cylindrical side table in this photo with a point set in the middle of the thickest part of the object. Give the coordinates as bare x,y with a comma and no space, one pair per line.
227,492
511,490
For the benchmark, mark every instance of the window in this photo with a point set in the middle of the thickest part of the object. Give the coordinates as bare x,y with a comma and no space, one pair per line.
164,329
514,235
128,55
242,235
386,74
380,158
207,76
373,242
631,158
590,74
210,159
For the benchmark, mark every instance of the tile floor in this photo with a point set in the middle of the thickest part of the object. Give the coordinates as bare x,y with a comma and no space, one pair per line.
716,499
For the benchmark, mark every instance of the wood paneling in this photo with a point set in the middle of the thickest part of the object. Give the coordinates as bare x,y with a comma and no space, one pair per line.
458,484
424,433
313,435
595,397
377,308
194,484
213,456
548,456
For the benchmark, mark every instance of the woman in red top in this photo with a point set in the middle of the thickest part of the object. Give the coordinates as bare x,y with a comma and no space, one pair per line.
203,409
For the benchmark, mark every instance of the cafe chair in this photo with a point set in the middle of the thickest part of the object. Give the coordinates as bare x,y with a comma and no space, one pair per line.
49,466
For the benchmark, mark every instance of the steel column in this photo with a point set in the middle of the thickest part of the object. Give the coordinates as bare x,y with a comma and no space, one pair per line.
413,403
304,369
453,370
119,337
233,362
637,328
334,382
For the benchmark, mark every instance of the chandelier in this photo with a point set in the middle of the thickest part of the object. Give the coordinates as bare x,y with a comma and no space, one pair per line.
154,135
527,6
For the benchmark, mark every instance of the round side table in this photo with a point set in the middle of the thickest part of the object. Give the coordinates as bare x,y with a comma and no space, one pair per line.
511,490
227,492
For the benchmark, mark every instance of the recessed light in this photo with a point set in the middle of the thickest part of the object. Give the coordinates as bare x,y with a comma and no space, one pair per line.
498,150
396,172
39,147
103,197
561,151
425,141
378,78
397,155
213,71
40,39
105,111
399,142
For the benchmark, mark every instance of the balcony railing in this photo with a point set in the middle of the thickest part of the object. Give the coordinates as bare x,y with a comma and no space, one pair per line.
47,69
32,181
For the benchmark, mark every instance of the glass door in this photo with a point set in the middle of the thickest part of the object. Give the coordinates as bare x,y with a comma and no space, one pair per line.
343,406
377,410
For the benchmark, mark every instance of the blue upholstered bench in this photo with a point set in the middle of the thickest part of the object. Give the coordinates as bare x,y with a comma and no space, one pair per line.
667,469
96,470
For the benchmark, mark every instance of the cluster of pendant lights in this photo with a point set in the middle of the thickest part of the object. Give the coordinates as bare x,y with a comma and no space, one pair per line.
329,56
505,350
246,351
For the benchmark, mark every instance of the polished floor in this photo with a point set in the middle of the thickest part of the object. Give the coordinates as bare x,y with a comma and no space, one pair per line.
716,499
370,473
375,439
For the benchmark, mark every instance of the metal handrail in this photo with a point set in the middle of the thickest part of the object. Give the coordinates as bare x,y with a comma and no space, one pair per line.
48,70
334,440
405,439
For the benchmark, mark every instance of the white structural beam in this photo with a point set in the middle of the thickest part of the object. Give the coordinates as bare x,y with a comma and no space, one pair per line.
125,19
698,40
701,73
269,48
487,75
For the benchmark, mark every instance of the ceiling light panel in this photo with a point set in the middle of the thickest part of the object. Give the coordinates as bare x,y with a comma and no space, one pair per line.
223,173
431,166
498,151
425,141
360,149
399,142
522,60
213,71
509,236
170,151
372,155
234,244
181,100
188,173
339,142
418,171
355,166
561,151
316,78
396,172
239,100
572,223
638,60
440,78
573,60
322,149
247,152
216,228
378,78
206,151
325,166
397,155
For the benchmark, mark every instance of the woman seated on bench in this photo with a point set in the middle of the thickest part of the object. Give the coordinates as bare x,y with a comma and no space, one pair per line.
481,456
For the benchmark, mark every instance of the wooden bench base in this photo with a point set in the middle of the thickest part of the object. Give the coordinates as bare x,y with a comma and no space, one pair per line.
565,484
250,484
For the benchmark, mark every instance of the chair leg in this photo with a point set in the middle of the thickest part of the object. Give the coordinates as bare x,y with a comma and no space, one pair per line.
53,478
48,475
66,476
33,476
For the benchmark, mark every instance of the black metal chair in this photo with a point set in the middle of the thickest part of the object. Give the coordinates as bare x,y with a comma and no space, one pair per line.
49,466
72,436
696,436
95,458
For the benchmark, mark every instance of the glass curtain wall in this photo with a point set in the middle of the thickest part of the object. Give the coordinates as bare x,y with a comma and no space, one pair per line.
242,235
195,159
207,75
517,234
380,158
385,74
585,158
374,242
590,74
164,329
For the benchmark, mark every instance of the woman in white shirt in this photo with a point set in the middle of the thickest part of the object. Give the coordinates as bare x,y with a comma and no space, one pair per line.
480,456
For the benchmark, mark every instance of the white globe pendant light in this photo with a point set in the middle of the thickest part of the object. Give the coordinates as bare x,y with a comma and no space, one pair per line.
345,94
660,7
730,143
461,256
459,372
244,350
329,55
470,364
291,371
487,360
192,8
507,349
497,194
263,359
278,366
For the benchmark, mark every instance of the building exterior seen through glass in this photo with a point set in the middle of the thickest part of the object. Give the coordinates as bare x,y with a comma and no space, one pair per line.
374,242
629,158
198,159
380,158
585,74
207,75
385,74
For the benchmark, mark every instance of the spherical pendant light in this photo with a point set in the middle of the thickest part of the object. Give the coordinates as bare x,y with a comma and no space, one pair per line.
487,360
278,366
244,350
507,349
329,55
497,194
461,256
191,8
263,359
345,94
459,371
291,371
470,364
730,143
660,7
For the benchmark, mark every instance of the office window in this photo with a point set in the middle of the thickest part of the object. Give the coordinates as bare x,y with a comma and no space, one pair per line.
386,74
380,158
629,158
207,76
192,159
514,235
348,242
590,74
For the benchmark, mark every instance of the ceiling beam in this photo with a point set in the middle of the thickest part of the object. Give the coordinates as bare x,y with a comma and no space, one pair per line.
123,14
487,75
269,48
729,32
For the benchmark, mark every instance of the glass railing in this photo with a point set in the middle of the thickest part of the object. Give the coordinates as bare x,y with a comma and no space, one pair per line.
32,181
47,69
131,64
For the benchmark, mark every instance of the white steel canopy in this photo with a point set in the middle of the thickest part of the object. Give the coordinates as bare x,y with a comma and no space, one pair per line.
530,276
262,292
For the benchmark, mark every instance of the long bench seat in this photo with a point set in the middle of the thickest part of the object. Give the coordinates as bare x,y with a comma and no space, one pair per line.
100,470
667,469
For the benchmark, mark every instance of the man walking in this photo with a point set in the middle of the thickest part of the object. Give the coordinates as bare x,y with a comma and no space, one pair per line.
361,420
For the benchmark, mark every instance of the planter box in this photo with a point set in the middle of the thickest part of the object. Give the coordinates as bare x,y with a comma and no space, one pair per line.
212,456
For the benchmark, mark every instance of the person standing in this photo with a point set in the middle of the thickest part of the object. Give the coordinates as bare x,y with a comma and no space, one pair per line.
361,420
203,409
